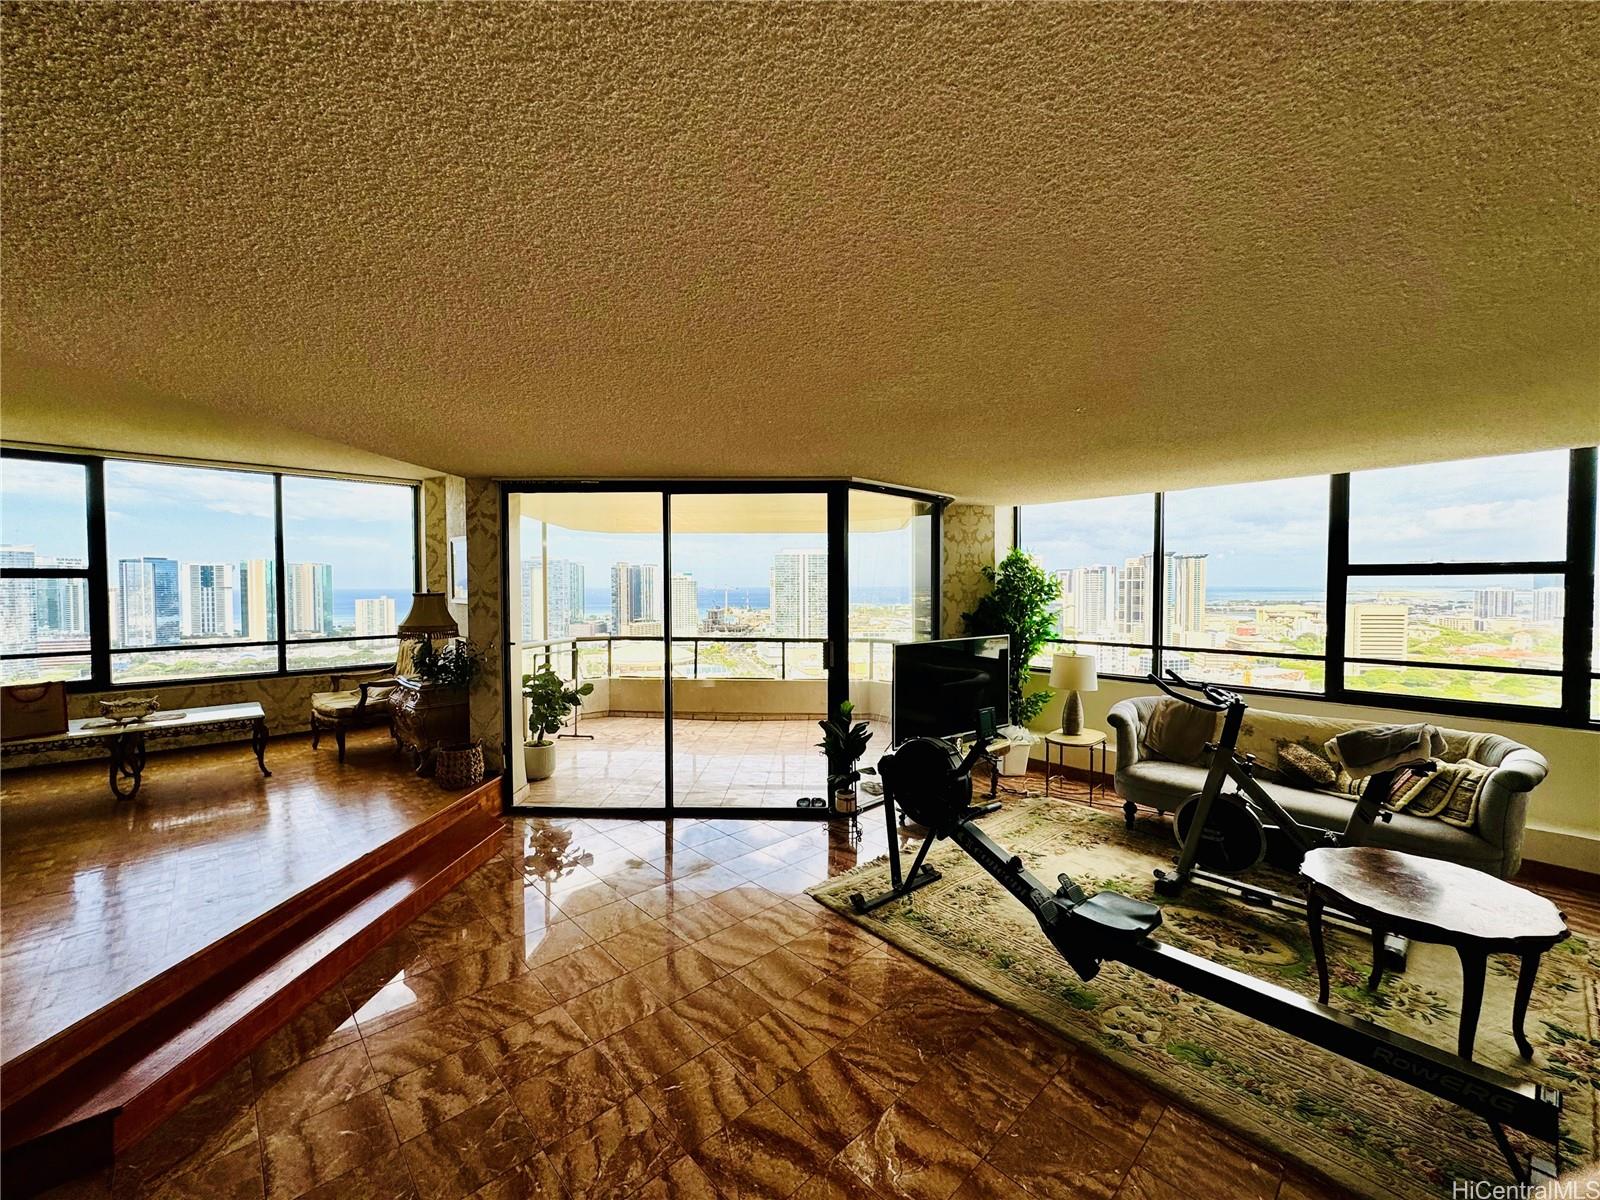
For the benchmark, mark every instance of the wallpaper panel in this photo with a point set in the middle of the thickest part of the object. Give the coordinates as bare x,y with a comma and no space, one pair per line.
969,546
485,620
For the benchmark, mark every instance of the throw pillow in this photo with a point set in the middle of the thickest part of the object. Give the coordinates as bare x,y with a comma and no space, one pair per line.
1304,768
1178,732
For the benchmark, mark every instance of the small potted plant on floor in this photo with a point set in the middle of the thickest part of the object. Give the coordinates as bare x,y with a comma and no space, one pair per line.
843,743
550,700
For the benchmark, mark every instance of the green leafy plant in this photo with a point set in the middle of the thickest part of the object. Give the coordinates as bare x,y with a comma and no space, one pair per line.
550,699
842,742
1019,607
456,665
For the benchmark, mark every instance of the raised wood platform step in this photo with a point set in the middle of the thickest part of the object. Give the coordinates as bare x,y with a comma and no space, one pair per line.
69,1104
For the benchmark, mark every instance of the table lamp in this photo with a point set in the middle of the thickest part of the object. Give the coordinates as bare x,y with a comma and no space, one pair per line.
1075,673
428,621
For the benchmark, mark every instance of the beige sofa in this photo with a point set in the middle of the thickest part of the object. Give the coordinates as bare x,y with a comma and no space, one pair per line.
1494,845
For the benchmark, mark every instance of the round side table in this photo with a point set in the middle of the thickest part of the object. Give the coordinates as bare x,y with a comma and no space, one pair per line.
1088,739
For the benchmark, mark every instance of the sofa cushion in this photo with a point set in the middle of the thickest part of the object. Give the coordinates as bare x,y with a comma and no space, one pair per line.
1304,768
1178,732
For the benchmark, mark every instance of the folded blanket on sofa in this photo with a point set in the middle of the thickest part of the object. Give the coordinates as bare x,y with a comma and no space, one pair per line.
1376,748
1447,792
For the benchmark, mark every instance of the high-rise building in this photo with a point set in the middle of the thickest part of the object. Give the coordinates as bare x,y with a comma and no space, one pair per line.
557,592
63,608
1377,630
149,610
800,593
1549,604
565,596
635,595
375,616
1133,598
258,597
63,604
308,593
1493,604
685,605
1089,601
1186,594
19,605
205,600
533,600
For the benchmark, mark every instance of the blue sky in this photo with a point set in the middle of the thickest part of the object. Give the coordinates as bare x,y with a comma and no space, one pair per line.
196,515
731,560
1262,534
1255,534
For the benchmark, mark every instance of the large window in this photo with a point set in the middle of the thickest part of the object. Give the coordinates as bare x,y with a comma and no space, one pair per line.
44,570
1462,586
187,549
1457,580
128,572
1102,551
1245,583
348,569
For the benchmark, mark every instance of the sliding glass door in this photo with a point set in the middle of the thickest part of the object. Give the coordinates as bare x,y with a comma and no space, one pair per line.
893,588
713,626
586,602
750,607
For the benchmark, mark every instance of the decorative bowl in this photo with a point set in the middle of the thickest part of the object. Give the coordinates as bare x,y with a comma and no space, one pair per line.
129,708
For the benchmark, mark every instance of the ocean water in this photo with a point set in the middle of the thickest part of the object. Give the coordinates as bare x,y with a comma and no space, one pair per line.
598,599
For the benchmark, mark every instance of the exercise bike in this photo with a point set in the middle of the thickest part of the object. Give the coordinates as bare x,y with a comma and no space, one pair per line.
1223,833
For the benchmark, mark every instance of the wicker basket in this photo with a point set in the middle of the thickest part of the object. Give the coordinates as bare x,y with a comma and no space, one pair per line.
459,766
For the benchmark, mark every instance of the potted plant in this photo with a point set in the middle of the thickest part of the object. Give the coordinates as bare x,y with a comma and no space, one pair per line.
1019,606
457,664
843,743
550,700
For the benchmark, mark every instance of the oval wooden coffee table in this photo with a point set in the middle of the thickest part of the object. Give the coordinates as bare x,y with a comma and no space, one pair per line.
1429,900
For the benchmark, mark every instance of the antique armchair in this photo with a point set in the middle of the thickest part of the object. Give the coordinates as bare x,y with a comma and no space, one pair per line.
358,699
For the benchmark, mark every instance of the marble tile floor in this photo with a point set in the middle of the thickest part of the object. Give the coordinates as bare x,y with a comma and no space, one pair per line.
99,895
617,1008
720,764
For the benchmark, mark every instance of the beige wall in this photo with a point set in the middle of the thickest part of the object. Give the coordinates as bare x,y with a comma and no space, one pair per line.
1563,811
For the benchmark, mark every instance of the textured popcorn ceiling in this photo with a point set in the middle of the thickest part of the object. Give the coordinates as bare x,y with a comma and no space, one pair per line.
1011,252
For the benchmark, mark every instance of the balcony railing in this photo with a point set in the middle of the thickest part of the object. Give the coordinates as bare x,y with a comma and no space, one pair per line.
605,656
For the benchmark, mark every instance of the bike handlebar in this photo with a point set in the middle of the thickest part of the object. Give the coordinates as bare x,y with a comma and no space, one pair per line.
1216,699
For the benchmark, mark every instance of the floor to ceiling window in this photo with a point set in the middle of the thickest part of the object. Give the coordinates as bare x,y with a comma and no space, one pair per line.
763,606
892,589
586,603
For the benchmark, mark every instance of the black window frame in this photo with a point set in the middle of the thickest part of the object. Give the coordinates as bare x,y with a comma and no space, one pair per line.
101,651
1157,596
1578,671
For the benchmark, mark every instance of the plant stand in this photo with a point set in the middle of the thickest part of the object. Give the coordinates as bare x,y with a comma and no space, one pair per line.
576,714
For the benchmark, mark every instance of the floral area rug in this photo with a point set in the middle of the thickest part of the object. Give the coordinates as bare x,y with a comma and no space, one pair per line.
1368,1132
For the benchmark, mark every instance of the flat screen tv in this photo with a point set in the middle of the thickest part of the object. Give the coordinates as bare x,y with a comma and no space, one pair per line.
939,687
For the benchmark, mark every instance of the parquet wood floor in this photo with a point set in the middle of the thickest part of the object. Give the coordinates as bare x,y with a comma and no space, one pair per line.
97,895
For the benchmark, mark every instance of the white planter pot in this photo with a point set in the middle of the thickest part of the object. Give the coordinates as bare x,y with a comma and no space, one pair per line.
1015,760
540,760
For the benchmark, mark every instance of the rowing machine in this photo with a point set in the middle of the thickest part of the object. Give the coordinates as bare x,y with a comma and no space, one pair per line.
932,782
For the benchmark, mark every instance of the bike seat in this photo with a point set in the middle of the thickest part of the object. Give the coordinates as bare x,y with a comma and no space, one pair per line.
1118,917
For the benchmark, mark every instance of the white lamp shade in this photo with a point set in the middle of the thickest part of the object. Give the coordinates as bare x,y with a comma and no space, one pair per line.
1074,672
